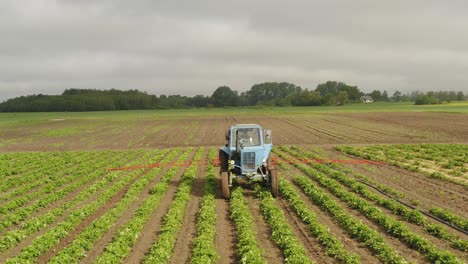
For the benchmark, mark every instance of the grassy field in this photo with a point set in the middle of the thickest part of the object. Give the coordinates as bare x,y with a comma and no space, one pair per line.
455,107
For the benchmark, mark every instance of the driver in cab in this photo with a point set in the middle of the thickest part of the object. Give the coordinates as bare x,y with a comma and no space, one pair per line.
246,137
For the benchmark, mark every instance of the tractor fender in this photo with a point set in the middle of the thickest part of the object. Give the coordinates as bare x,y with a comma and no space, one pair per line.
226,150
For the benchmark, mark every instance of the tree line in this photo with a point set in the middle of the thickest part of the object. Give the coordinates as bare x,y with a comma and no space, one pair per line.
263,94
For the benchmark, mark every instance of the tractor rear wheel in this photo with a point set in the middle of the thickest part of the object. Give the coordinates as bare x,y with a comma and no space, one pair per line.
274,183
225,184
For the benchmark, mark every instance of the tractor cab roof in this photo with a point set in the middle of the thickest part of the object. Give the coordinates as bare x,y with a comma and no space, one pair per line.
246,126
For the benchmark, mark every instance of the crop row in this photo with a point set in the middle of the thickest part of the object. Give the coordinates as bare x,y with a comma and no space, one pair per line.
389,224
282,233
163,248
34,224
128,233
49,168
49,193
395,156
15,164
333,246
450,217
35,177
381,187
410,215
204,250
247,245
49,239
86,239
359,231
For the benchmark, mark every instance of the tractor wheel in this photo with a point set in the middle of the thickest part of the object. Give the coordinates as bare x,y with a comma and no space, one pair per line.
225,184
274,183
223,160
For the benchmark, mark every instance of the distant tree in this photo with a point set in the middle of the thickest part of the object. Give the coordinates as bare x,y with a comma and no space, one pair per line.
199,101
224,96
270,93
305,98
384,96
396,96
329,88
426,99
342,98
376,95
329,92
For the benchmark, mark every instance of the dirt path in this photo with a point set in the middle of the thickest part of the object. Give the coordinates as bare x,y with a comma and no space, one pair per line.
183,246
314,250
225,238
271,252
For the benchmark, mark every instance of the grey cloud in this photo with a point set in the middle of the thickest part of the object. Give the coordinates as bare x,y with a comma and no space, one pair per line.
191,47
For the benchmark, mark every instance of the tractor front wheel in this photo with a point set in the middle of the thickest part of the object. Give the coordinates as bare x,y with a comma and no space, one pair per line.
225,184
274,183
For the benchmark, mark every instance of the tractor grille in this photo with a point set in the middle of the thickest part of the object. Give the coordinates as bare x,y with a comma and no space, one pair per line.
248,160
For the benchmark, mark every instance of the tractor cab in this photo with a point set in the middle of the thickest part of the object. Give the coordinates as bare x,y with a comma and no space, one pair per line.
247,155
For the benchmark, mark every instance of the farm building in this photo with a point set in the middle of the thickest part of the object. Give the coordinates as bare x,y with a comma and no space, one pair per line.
366,99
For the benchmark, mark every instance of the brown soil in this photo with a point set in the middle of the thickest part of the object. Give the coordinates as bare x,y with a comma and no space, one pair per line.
152,227
314,250
225,238
183,245
313,129
271,252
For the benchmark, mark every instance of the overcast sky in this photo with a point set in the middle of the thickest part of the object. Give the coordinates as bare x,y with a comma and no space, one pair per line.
192,47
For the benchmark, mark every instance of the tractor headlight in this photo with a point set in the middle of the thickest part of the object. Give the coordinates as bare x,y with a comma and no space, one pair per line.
232,162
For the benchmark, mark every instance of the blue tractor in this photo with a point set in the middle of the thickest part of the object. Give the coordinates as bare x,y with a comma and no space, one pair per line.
247,156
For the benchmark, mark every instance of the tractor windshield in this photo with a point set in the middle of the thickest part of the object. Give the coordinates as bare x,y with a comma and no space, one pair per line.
248,137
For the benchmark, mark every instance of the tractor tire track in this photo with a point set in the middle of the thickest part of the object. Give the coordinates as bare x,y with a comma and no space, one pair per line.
183,245
272,253
225,237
